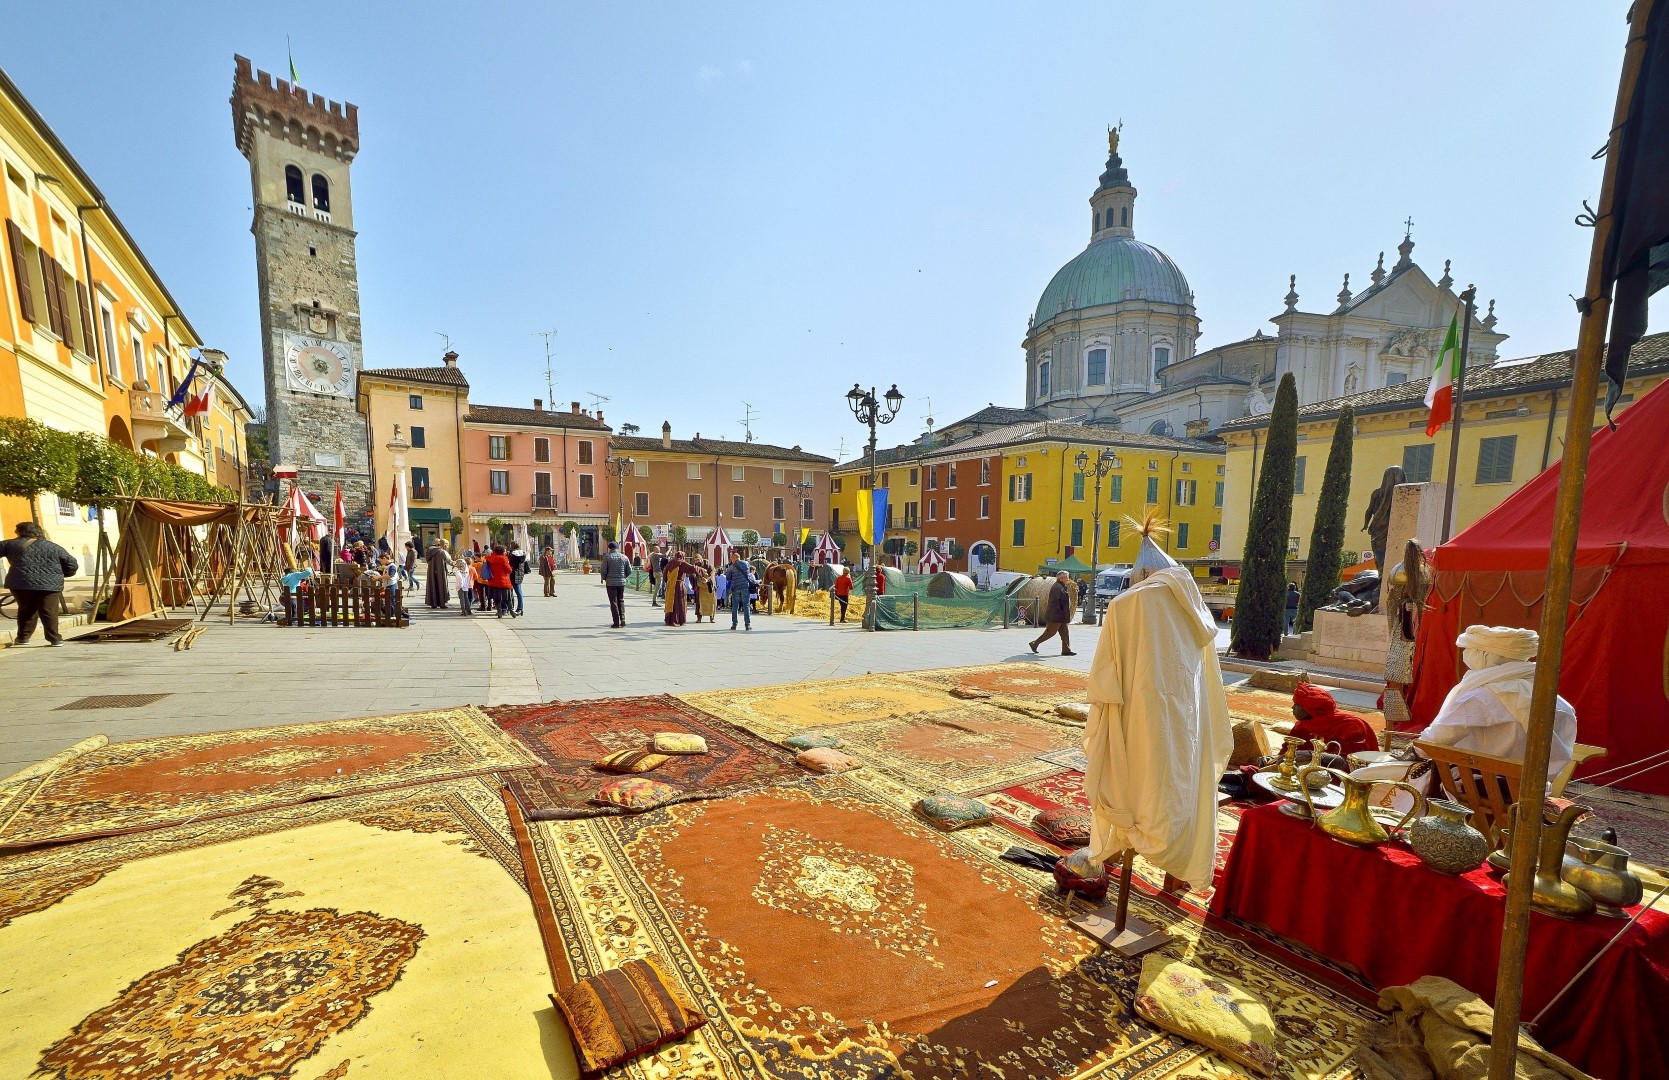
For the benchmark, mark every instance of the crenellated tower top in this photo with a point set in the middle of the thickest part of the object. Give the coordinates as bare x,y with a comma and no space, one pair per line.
311,121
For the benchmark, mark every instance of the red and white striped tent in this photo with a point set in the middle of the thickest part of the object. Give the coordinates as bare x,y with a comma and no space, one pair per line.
633,542
299,513
826,551
717,547
932,561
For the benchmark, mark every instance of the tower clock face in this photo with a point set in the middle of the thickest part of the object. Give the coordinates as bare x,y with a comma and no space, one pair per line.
318,365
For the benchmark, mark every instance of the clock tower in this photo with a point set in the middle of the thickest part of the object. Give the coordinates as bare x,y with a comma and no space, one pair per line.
299,148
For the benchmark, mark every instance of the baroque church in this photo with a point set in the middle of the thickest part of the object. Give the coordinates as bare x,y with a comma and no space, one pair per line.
1113,339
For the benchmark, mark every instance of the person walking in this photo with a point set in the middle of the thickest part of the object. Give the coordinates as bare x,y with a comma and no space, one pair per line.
1293,597
843,590
738,580
518,571
1057,613
36,576
547,570
439,559
464,572
616,571
408,566
502,583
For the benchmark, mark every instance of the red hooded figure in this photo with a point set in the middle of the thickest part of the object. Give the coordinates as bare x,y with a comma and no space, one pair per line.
1319,717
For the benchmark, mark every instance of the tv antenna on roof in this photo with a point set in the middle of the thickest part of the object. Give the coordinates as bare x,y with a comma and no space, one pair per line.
840,451
928,419
748,417
596,399
445,337
550,375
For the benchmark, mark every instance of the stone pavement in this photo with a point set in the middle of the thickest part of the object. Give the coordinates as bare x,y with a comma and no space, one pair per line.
256,674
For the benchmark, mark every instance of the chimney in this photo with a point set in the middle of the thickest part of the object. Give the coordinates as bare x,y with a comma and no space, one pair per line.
538,404
450,359
599,416
575,407
666,434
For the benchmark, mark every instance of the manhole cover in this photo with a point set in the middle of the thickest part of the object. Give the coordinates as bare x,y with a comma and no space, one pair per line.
112,701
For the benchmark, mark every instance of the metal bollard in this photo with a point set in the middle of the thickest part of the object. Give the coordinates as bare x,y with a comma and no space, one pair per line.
915,611
831,607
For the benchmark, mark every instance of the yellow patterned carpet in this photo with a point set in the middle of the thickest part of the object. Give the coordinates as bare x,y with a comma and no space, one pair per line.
776,712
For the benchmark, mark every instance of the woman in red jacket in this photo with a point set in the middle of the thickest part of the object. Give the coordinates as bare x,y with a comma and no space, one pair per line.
498,568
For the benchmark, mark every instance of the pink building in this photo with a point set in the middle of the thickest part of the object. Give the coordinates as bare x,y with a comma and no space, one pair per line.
535,469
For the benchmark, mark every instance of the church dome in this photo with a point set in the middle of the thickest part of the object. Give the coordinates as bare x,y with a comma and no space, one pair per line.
1110,270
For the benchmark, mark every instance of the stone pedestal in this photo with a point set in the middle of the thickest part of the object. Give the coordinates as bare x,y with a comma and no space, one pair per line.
1416,514
1356,644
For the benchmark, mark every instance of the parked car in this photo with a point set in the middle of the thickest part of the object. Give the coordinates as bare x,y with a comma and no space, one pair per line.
1109,583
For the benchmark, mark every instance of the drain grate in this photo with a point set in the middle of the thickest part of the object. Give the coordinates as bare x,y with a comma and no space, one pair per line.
112,701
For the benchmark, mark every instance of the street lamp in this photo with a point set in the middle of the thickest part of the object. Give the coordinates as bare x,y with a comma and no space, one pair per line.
1103,463
619,466
802,491
870,412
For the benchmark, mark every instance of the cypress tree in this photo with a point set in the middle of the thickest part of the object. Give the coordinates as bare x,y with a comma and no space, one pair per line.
1321,574
1260,605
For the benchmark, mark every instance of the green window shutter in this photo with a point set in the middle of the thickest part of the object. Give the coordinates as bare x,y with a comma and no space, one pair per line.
1298,475
1077,532
1112,534
1153,490
1078,487
1118,489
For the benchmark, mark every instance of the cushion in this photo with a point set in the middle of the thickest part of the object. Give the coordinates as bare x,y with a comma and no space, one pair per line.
811,742
631,761
624,1013
634,793
1075,711
969,693
678,742
1207,1009
1081,874
1068,828
1251,743
953,811
826,759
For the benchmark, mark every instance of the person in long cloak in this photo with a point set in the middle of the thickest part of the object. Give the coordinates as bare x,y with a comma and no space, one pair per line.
676,602
1158,736
437,590
706,601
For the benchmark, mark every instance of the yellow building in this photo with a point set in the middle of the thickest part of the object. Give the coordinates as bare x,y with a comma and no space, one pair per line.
429,405
1512,428
899,471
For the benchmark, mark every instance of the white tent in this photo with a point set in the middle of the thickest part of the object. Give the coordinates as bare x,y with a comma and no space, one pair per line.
304,514
826,551
932,561
633,543
718,547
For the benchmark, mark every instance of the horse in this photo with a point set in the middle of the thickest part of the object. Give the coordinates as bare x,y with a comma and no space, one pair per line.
782,580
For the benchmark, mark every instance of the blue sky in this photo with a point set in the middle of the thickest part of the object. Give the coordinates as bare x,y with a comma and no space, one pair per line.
715,204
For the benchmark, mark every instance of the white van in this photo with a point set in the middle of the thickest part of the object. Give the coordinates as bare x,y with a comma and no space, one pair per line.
1109,583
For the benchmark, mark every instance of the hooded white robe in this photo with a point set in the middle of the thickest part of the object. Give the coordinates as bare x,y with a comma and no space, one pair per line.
1488,712
1159,735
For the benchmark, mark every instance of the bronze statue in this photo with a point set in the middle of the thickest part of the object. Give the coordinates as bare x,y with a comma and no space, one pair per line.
1377,522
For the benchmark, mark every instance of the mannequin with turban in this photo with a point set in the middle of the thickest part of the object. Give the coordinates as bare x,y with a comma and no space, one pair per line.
1319,717
1488,712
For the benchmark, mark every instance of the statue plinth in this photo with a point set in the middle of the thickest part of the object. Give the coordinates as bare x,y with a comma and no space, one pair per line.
1357,643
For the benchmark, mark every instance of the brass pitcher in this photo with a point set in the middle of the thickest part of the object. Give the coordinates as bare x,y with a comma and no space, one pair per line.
1352,821
1550,894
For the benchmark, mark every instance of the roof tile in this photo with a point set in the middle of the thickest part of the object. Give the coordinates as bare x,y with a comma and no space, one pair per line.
444,375
552,418
724,447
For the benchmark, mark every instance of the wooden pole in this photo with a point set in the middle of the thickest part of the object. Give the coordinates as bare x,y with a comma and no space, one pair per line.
1567,519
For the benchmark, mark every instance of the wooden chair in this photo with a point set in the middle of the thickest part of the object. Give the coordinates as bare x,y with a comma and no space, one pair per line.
1488,785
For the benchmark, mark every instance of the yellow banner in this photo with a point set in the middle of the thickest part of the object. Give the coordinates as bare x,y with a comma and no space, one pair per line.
805,531
866,518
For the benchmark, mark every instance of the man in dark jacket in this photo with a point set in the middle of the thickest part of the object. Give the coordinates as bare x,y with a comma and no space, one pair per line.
36,580
1057,613
1293,599
617,570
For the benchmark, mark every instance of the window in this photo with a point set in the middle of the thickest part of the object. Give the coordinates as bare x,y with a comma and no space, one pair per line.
542,497
695,506
985,506
500,481
738,507
915,475
541,449
1152,465
321,193
1186,492
933,478
294,191
835,484
585,452
777,513
159,361
1019,533
1298,475
107,322
1161,357
418,439
1112,534
1187,466
139,372
865,482
1495,459
1217,499
779,476
932,509
1216,537
420,484
834,519
1078,487
1392,378
1416,463
1292,547
950,509
1153,490
588,486
1077,532
1124,216
640,504
692,470
807,509
640,467
950,471
1019,487
1095,370
738,473
415,401
498,447
1182,536
1117,492
1043,379
984,471
886,479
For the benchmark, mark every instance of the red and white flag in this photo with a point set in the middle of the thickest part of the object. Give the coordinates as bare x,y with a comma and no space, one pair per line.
341,532
200,403
1440,395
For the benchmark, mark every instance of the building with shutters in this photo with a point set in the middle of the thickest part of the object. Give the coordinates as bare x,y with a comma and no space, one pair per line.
428,406
897,469
1513,427
535,470
90,337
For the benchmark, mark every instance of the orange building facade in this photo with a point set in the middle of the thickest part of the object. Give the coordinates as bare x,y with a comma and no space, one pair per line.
535,470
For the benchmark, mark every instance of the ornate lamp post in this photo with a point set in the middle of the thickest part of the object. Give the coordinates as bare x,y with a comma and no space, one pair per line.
802,491
1100,466
869,411
619,466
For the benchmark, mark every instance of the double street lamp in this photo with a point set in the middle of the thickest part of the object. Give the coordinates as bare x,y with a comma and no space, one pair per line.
869,410
1099,466
802,491
619,466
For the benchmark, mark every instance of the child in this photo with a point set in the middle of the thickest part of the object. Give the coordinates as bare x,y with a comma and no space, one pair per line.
463,578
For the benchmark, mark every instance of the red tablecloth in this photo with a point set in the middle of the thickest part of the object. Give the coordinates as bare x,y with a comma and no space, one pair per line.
1387,915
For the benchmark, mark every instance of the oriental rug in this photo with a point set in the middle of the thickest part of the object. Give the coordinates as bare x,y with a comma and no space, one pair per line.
777,712
971,746
150,783
569,737
1271,707
385,934
1028,684
827,933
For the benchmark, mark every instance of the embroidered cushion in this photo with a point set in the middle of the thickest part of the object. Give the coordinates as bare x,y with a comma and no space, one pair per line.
810,742
624,1013
826,759
1080,873
1251,743
678,742
1208,1009
1075,711
1068,828
631,761
969,693
953,811
634,793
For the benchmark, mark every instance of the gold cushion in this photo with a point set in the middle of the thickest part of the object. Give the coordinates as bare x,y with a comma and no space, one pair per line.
678,742
1251,743
1208,1009
826,759
624,1013
631,761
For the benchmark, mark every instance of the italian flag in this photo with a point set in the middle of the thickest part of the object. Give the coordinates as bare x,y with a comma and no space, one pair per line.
1440,394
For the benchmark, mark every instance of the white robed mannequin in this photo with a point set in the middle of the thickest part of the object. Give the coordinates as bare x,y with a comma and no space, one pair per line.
1488,711
1159,734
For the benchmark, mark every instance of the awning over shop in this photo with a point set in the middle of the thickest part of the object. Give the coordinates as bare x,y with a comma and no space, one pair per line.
427,516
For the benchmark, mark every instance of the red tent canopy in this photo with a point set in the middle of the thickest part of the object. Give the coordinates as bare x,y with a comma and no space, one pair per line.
1616,660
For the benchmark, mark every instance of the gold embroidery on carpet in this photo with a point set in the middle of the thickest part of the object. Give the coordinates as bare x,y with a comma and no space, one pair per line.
277,759
423,818
254,894
25,897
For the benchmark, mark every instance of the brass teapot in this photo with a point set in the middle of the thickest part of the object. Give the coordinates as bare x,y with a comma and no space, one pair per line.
1550,894
1352,821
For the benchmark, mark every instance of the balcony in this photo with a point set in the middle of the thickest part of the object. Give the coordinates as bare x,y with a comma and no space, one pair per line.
544,502
153,423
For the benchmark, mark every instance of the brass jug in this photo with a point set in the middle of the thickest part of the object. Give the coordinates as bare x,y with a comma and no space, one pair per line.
1602,872
1551,894
1352,821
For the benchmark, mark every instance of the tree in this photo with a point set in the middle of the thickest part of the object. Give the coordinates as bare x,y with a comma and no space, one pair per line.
35,459
103,470
956,551
608,533
988,556
1321,573
681,536
569,528
750,538
1260,605
495,526
779,540
910,547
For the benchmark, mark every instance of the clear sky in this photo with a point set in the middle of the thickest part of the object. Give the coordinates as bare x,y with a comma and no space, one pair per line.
720,203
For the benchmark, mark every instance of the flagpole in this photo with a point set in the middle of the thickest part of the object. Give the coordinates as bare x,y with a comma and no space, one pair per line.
1458,402
1567,519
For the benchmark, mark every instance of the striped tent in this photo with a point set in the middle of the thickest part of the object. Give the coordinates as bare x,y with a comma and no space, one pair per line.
932,561
826,552
633,543
717,547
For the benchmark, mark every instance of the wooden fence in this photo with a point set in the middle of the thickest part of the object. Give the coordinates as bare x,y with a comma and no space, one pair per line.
333,603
